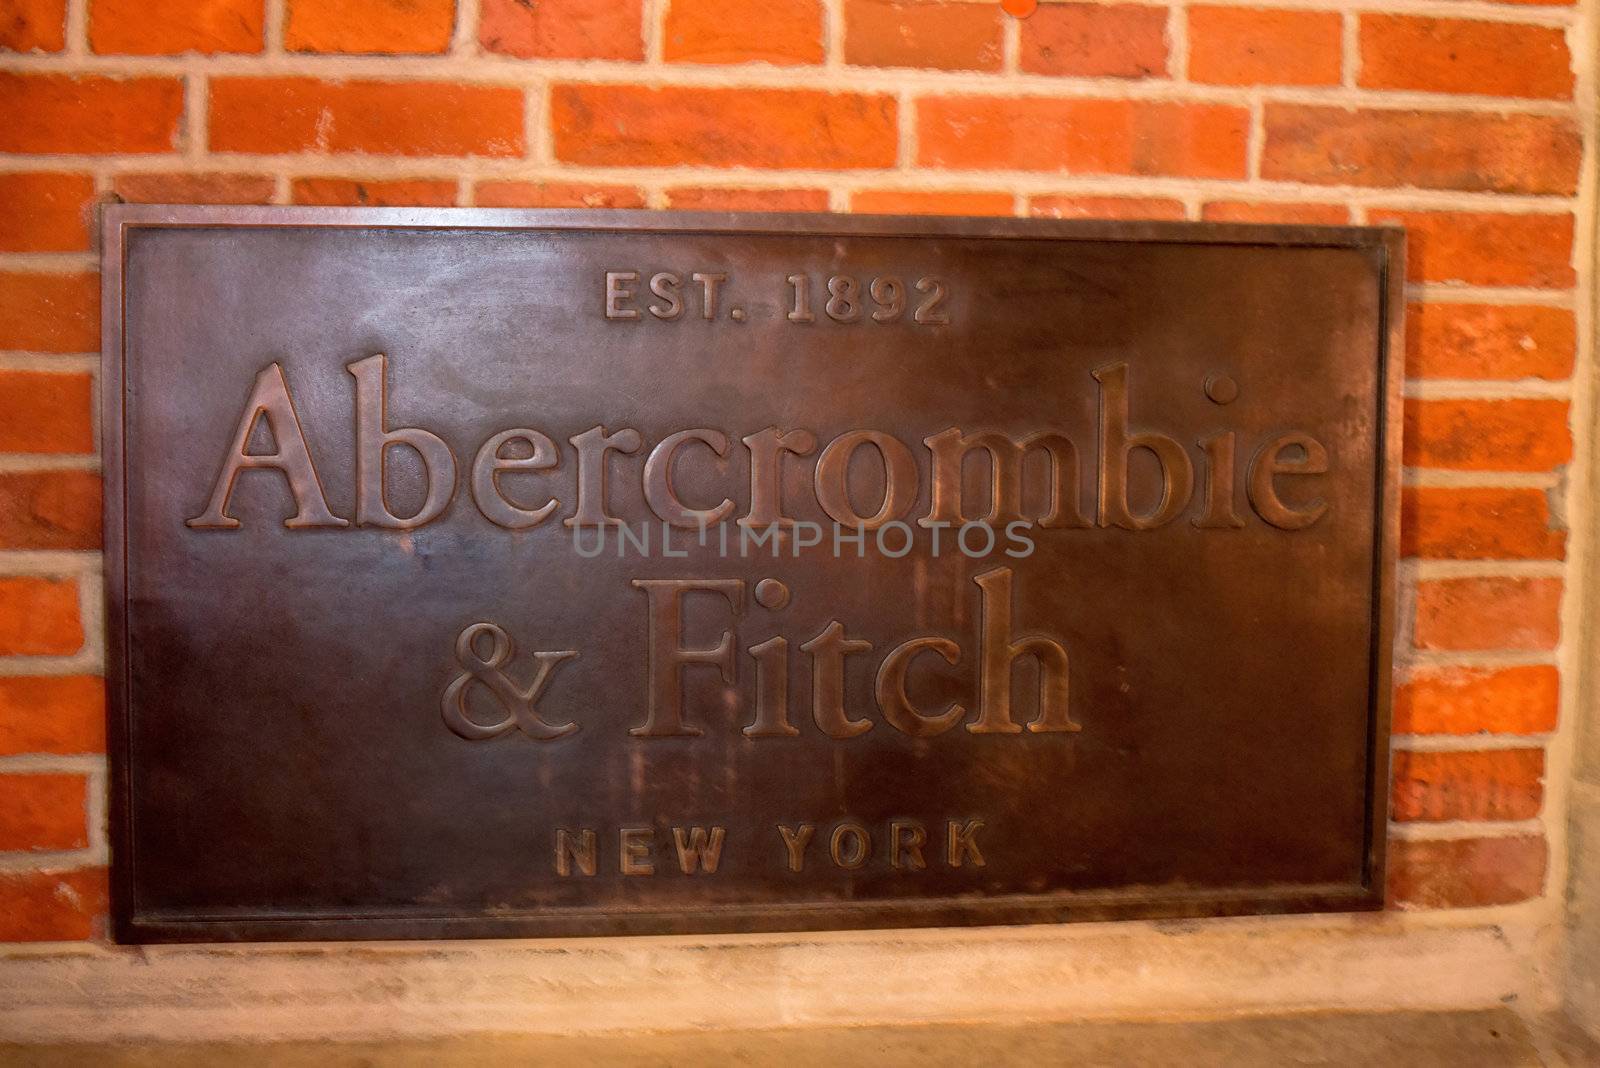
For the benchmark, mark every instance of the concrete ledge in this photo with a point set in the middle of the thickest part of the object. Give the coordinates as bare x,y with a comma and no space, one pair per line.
1483,1039
1209,969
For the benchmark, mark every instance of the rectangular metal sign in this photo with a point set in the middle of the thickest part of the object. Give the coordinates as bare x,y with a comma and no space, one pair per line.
530,573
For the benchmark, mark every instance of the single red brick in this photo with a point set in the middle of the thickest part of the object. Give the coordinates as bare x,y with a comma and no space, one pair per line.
57,715
382,26
1478,523
51,906
635,126
51,113
50,509
39,616
393,118
1249,46
781,32
563,29
1096,40
362,192
1485,248
1467,614
43,811
45,411
930,202
1453,700
1497,784
1515,434
33,25
508,194
45,212
1470,151
49,312
1136,137
1489,341
1084,207
1464,56
1466,872
215,188
705,198
167,27
1267,212
942,35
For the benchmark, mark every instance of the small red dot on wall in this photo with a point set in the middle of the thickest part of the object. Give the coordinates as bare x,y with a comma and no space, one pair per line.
1019,8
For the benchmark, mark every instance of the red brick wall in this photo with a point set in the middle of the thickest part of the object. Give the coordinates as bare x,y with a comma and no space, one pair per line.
1455,119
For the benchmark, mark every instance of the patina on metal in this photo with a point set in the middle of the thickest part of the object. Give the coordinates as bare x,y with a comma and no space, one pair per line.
531,573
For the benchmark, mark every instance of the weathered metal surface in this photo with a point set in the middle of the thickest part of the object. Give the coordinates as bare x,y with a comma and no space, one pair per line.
383,664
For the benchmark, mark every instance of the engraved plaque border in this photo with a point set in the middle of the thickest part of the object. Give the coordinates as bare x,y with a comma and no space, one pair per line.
132,924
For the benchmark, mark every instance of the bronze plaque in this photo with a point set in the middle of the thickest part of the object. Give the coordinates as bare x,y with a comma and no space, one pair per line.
530,573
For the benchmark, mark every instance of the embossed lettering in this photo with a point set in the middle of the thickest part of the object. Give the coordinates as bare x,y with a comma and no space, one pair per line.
1219,513
892,699
795,840
665,286
833,478
593,485
581,853
828,651
850,845
520,705
772,690
618,291
1116,445
766,475
927,311
1269,463
633,851
662,495
699,849
950,448
709,282
373,442
666,656
962,842
489,464
906,839
997,654
269,400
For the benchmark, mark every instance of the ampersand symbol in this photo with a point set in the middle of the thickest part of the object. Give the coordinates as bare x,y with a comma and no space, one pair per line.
520,705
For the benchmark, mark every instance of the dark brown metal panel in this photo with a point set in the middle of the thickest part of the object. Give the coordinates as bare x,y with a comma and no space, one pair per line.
365,685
